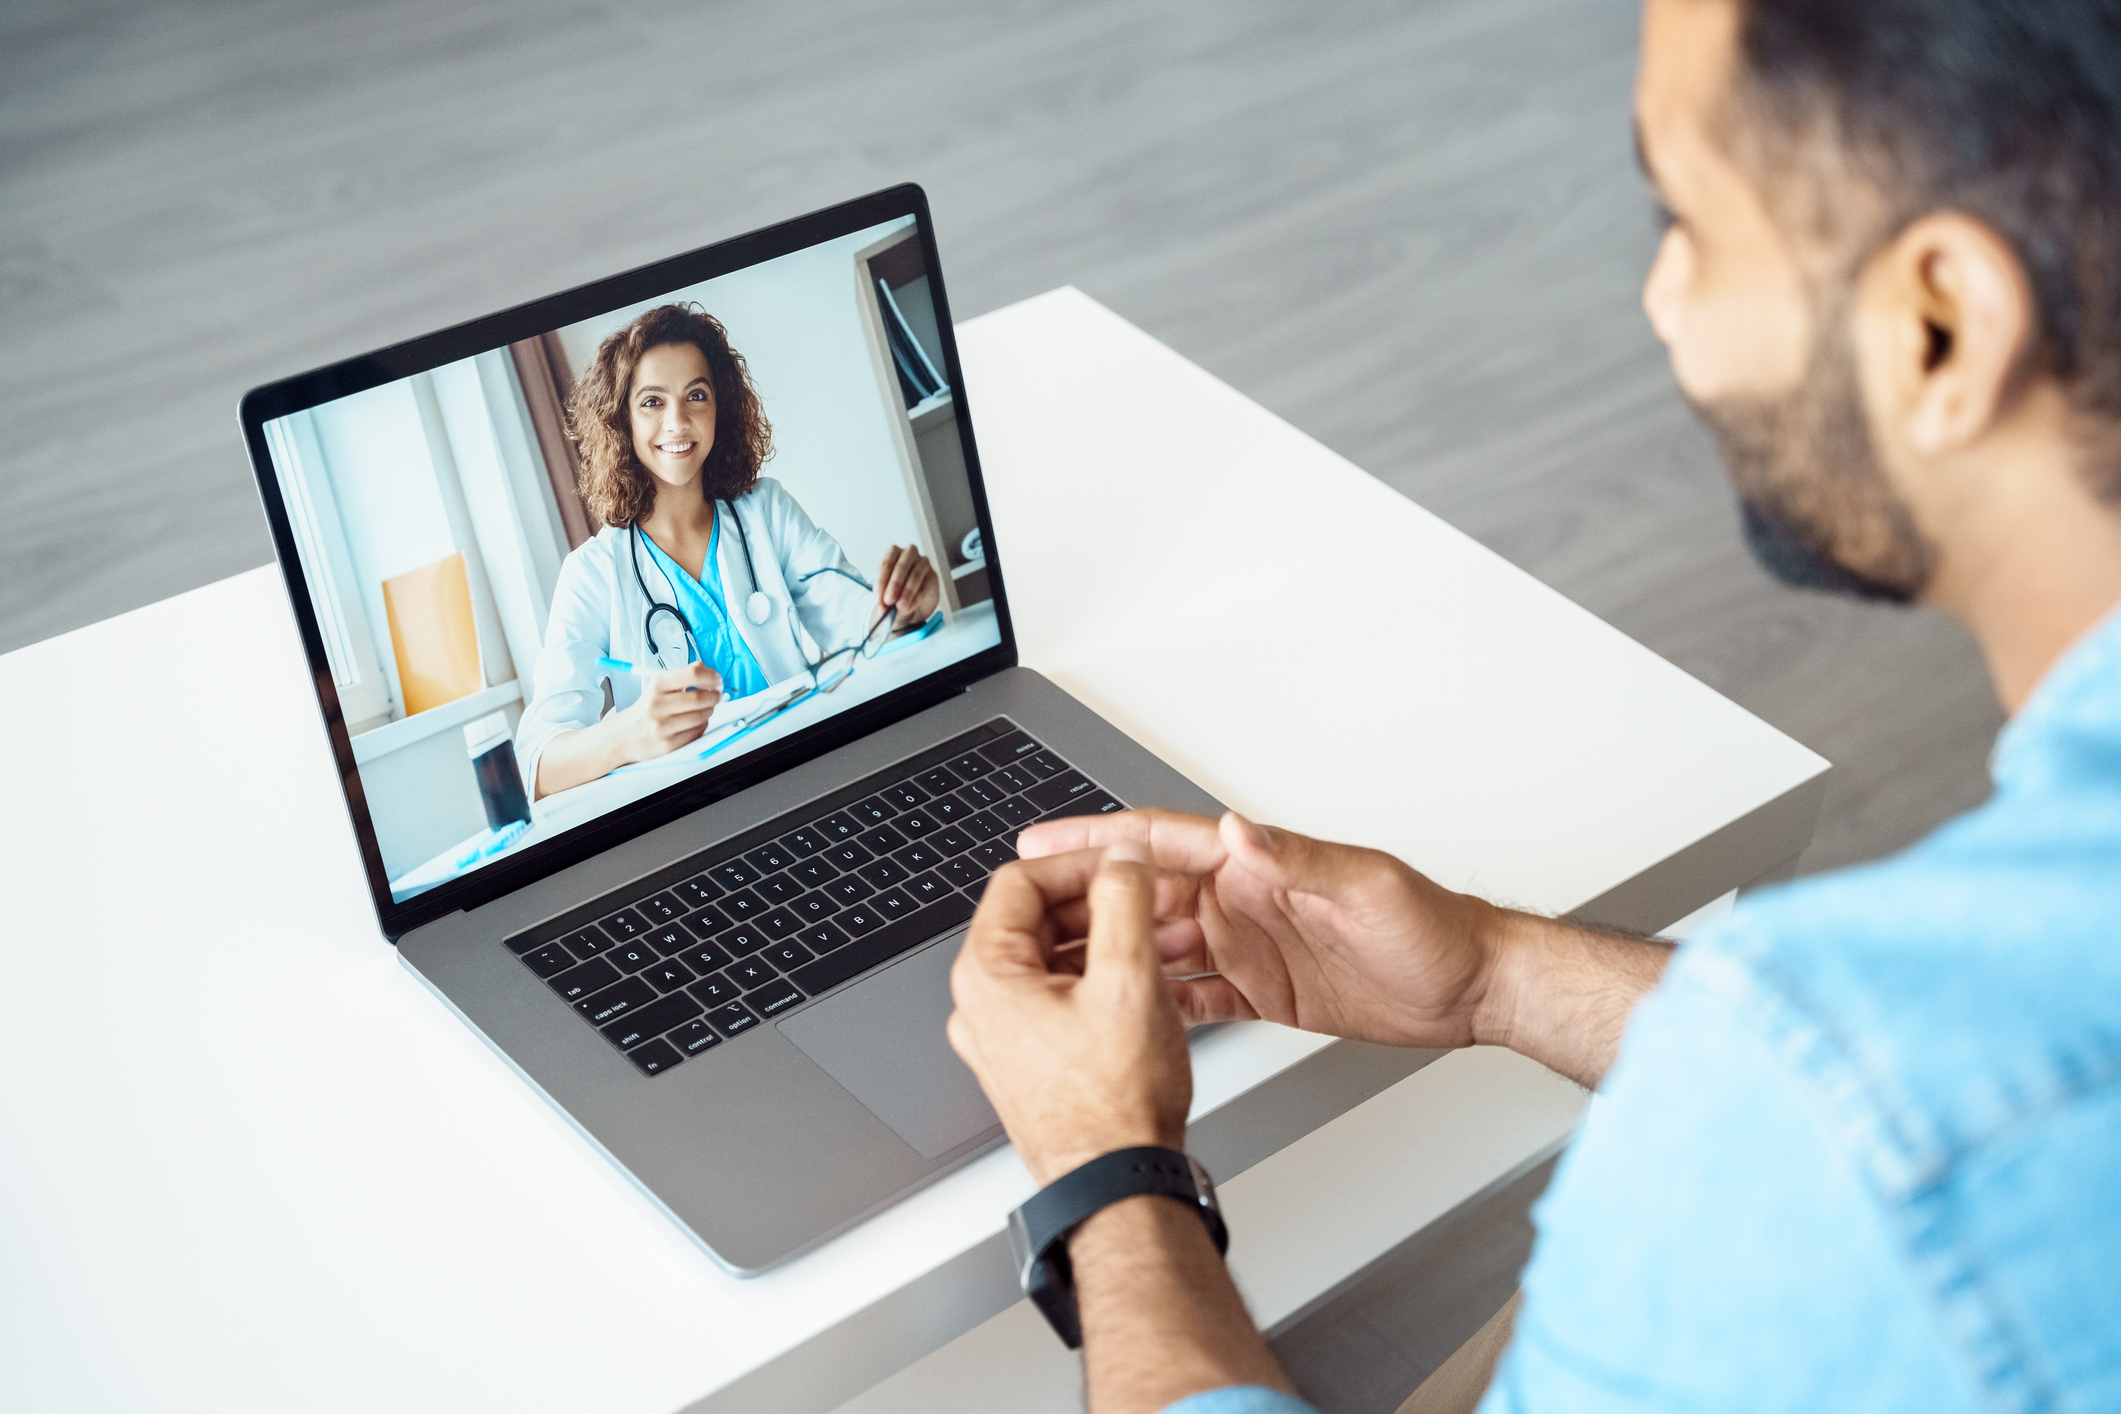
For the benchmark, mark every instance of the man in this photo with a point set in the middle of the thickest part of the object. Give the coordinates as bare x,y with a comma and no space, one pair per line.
1862,1145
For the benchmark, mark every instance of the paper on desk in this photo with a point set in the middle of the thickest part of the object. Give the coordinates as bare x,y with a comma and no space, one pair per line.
730,716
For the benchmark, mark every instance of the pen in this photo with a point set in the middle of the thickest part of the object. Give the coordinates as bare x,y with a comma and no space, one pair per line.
620,665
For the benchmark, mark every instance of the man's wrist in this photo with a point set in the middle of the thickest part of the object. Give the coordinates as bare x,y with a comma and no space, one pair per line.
1507,942
1048,1163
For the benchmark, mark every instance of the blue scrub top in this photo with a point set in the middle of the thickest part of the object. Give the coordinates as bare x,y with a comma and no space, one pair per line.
702,606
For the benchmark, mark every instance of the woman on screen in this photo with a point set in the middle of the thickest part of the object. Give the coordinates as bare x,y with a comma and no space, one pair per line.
706,577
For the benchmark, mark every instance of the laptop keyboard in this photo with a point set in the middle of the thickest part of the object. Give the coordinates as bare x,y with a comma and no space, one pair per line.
702,951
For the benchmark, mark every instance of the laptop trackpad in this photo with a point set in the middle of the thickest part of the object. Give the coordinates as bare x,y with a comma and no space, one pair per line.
883,1042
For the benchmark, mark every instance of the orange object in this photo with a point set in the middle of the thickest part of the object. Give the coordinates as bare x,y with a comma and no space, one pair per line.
432,634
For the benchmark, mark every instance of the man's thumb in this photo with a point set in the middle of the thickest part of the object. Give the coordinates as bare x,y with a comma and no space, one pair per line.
1283,858
1122,914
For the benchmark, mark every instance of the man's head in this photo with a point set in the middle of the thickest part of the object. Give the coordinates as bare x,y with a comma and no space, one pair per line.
1892,274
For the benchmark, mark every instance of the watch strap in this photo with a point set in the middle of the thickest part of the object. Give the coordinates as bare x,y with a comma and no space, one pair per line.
1038,1229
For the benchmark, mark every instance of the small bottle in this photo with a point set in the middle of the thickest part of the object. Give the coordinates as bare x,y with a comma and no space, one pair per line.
493,756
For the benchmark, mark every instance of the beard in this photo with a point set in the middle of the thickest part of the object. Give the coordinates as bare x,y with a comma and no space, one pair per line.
1818,510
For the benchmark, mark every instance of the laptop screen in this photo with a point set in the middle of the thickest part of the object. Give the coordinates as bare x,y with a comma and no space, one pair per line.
588,563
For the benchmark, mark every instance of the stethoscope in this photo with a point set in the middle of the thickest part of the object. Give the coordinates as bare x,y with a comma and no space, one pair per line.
758,606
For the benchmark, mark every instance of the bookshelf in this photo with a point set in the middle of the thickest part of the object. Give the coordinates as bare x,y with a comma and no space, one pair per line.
898,316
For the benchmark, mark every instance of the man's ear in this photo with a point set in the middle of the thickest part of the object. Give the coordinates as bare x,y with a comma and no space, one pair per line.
1952,317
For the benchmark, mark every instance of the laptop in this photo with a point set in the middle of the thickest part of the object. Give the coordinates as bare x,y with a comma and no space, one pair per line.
726,957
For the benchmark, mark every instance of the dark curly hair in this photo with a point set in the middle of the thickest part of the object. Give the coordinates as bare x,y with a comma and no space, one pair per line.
617,488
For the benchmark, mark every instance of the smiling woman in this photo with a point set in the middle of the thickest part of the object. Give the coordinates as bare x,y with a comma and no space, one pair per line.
663,614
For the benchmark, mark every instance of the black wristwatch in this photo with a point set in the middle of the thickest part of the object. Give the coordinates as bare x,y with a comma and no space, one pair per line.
1038,1231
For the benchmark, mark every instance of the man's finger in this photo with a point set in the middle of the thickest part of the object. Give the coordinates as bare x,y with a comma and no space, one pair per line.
1007,926
1287,860
1122,925
1188,844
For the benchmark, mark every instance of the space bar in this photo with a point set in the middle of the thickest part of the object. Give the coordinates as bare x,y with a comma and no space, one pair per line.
885,943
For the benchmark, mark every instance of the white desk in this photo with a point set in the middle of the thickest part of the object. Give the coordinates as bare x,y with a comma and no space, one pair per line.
250,1162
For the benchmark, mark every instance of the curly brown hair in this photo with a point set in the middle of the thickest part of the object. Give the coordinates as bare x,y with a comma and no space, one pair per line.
617,488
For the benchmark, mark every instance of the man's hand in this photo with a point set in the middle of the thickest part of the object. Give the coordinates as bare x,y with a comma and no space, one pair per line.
1079,1055
1082,1052
1351,942
1327,937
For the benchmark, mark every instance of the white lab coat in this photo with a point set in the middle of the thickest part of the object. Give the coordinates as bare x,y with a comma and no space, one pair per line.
598,611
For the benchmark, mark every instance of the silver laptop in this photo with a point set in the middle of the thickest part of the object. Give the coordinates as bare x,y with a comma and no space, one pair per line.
719,944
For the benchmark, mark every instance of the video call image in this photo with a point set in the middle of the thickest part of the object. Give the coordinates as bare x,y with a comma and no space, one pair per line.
560,576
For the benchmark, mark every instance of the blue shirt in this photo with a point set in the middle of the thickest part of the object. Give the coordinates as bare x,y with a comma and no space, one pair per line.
701,604
1862,1147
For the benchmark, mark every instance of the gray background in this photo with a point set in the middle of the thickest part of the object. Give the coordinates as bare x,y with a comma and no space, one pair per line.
1413,229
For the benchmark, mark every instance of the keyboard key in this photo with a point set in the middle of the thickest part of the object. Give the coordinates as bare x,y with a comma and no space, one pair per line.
749,972
715,991
733,875
873,811
732,1018
778,997
743,941
846,855
780,923
668,975
697,890
789,955
815,906
882,840
631,957
951,841
971,766
592,976
860,919
949,809
653,1019
771,858
1043,765
893,905
693,1037
823,937
939,781
743,906
587,943
905,795
615,1000
849,888
883,871
839,827
1013,778
1053,794
986,825
812,873
778,889
662,908
919,855
806,841
704,958
916,822
707,921
1004,750
983,793
883,944
994,854
655,1057
550,960
964,872
1096,802
625,924
925,889
669,940
1017,811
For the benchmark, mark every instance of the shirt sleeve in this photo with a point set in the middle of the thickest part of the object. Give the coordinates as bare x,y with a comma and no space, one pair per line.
1240,1399
1704,1246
